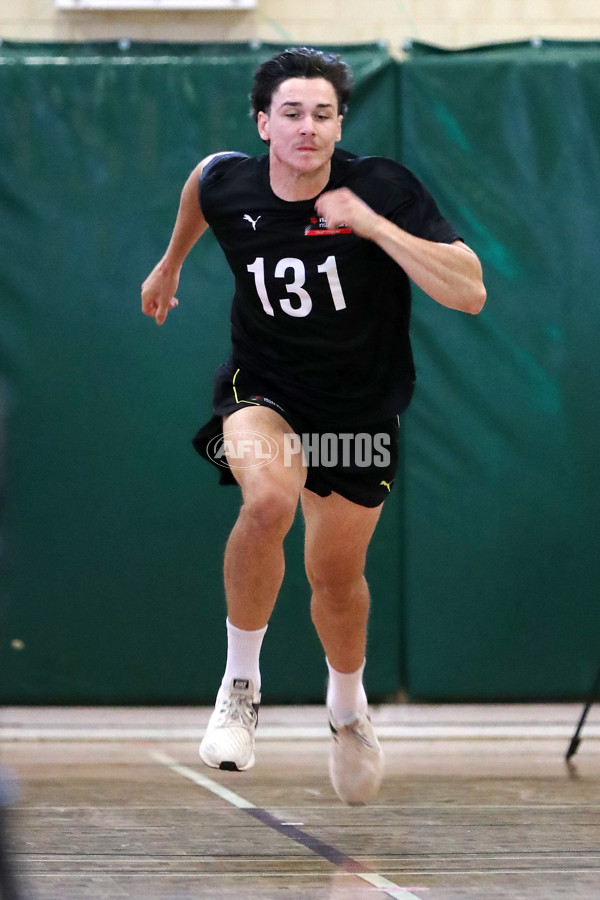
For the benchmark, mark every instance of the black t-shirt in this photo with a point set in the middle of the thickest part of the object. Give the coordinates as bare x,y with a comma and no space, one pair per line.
321,315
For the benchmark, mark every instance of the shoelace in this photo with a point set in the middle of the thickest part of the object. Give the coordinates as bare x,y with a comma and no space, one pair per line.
361,735
236,709
358,732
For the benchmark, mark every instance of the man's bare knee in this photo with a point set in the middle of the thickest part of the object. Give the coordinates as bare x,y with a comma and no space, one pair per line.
270,508
336,594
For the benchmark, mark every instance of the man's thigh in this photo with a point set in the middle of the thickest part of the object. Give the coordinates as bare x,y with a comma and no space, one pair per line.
255,438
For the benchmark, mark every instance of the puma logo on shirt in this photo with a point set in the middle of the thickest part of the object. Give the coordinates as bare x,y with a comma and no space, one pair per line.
252,221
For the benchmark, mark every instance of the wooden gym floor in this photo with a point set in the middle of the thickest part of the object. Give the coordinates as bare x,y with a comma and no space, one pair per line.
477,803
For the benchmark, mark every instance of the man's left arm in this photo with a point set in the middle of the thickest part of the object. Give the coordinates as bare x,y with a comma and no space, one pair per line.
450,273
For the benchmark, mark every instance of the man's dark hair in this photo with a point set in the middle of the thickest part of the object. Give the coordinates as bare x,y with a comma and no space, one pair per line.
300,62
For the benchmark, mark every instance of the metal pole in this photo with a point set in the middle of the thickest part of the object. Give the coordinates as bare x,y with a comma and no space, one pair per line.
575,740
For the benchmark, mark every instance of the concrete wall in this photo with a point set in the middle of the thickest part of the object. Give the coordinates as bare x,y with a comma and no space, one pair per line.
451,23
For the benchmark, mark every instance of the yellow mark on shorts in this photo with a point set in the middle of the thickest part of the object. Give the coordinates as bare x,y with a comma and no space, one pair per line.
235,394
237,372
388,484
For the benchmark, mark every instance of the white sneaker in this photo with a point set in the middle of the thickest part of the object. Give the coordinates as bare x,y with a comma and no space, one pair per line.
229,739
355,760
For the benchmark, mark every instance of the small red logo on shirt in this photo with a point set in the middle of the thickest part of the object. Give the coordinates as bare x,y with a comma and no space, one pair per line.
318,227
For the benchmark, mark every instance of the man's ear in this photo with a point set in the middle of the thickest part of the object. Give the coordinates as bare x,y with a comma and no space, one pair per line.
262,123
339,131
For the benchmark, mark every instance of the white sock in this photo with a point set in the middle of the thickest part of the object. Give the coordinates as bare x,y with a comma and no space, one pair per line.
346,694
243,654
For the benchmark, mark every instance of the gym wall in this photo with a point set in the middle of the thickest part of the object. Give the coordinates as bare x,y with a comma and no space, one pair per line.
450,23
502,575
483,571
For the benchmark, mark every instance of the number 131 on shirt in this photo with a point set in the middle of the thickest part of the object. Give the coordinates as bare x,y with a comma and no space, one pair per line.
303,303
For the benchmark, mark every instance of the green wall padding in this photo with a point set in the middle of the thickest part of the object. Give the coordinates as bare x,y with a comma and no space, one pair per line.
502,481
484,570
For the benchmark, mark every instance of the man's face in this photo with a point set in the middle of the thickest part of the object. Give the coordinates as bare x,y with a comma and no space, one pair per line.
302,125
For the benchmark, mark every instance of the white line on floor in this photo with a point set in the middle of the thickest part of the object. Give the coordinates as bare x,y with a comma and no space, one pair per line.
388,887
298,732
96,874
213,786
112,807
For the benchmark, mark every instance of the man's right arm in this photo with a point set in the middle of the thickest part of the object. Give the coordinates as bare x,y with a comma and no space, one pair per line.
159,288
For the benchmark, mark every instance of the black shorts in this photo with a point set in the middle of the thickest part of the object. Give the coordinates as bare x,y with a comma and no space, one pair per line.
359,464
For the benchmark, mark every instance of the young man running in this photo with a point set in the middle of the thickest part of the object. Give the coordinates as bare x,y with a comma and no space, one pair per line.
322,245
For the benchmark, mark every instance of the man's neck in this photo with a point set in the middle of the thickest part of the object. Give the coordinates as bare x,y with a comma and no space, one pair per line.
291,185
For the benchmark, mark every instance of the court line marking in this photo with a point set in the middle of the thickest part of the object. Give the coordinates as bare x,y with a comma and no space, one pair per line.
408,864
315,806
202,781
412,733
318,847
98,874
